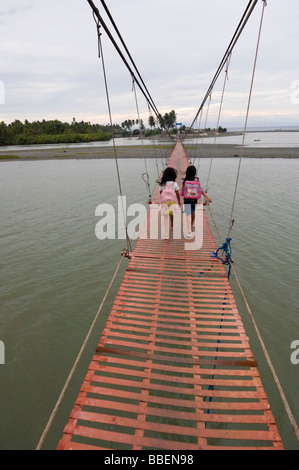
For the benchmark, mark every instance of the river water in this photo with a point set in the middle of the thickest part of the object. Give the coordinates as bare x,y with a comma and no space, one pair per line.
253,138
55,272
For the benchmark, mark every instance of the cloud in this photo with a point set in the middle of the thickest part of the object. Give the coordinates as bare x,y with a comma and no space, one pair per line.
50,66
12,7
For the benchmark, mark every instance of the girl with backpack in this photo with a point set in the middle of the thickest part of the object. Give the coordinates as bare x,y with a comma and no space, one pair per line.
191,193
170,197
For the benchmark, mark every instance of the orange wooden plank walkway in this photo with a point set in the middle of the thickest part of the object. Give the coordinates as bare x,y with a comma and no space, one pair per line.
173,369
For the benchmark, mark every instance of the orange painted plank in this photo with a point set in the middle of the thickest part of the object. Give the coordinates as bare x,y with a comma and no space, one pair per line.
174,348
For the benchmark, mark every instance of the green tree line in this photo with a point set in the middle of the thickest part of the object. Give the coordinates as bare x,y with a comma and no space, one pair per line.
51,132
57,132
157,125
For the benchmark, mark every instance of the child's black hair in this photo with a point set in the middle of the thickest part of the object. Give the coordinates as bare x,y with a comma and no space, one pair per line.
170,174
190,174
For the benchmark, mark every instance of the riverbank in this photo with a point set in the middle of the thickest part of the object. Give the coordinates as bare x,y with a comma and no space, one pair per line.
146,151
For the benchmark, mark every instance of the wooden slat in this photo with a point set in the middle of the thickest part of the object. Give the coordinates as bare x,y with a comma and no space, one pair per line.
173,369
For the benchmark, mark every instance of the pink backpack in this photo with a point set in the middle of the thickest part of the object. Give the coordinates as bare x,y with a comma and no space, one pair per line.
191,190
168,195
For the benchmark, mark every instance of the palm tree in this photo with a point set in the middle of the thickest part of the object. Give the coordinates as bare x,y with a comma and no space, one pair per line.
151,121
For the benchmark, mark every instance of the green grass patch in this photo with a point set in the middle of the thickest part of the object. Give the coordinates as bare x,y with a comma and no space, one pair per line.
8,157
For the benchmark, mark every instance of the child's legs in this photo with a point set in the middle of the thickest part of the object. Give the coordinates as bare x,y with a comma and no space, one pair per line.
187,207
193,207
166,225
171,219
193,218
190,206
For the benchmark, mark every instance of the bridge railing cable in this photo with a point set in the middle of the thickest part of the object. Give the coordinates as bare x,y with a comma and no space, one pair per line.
134,72
105,27
128,52
247,14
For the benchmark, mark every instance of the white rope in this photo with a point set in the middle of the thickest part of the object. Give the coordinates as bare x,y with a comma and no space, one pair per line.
101,55
206,120
246,120
142,140
273,372
62,394
219,115
268,359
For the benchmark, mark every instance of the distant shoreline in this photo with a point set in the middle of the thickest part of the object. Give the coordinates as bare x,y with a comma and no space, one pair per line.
147,151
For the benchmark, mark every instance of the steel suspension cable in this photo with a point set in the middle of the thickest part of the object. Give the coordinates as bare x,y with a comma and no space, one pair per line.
249,9
127,51
103,24
266,354
144,91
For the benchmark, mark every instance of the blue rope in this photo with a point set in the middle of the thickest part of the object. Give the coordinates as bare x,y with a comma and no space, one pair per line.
211,387
228,259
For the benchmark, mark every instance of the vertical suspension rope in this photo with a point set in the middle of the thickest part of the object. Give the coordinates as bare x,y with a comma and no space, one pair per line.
219,114
197,146
259,336
267,357
155,149
101,56
206,120
140,129
246,120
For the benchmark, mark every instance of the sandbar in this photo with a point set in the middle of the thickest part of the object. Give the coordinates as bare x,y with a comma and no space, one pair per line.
147,151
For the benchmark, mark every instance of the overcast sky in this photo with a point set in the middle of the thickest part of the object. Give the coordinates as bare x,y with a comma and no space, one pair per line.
50,69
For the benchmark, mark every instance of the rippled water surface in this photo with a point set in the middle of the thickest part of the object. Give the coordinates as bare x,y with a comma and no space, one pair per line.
54,273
